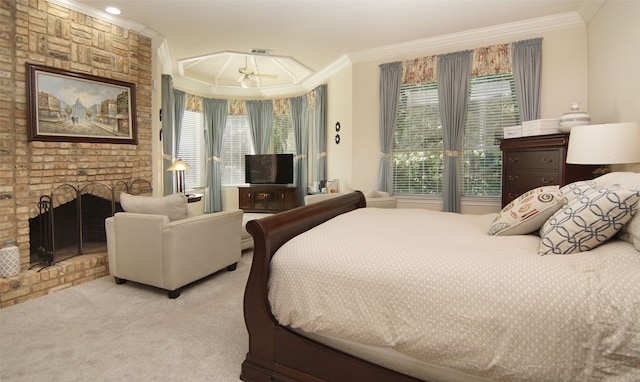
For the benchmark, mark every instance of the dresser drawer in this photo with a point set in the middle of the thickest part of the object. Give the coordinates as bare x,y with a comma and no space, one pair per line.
529,179
534,159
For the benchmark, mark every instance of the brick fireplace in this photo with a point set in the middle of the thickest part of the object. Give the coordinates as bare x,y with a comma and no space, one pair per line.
48,34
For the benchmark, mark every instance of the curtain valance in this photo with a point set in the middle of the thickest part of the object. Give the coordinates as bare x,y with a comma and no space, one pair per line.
486,60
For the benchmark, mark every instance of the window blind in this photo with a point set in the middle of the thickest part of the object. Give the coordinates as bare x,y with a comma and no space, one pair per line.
417,148
191,149
492,106
236,143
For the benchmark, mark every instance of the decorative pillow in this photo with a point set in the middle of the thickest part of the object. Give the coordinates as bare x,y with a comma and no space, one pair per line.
372,194
173,206
630,232
629,181
588,221
572,190
528,212
624,180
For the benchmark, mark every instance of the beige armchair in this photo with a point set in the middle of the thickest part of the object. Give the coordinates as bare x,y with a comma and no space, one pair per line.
150,249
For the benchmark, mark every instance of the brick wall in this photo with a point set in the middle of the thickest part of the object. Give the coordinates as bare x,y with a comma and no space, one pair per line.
43,33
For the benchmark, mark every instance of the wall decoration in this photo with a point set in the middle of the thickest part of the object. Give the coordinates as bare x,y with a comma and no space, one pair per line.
75,107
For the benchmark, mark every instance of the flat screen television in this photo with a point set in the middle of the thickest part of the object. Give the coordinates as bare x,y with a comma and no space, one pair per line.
268,169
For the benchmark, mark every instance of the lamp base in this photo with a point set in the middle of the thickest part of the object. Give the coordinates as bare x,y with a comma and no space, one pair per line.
601,171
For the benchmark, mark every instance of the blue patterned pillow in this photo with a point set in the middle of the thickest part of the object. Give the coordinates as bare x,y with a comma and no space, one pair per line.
572,190
589,220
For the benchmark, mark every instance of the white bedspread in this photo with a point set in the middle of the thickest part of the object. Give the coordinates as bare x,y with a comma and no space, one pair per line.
435,286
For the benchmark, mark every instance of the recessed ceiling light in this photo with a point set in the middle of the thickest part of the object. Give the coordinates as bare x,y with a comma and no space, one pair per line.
112,10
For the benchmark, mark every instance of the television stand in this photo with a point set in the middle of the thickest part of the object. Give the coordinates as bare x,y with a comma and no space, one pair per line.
270,198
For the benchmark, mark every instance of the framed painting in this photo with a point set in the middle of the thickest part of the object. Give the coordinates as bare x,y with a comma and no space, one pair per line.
76,107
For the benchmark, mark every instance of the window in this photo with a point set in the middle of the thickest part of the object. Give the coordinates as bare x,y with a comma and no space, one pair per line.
236,143
282,138
418,140
191,149
417,147
492,106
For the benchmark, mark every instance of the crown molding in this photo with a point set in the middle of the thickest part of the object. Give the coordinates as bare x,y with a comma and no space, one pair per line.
588,9
327,72
473,37
164,56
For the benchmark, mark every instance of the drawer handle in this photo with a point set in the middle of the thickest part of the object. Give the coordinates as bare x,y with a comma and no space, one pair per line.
547,160
513,177
547,181
512,160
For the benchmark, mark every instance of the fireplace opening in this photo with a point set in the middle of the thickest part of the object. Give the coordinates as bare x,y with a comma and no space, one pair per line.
76,225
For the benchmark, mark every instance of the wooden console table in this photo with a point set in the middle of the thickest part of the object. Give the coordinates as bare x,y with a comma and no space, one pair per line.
267,198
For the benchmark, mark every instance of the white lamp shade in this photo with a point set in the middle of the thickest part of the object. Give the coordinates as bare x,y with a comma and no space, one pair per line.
609,143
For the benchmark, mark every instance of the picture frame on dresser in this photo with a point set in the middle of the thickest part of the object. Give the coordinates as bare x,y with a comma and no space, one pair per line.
538,160
67,106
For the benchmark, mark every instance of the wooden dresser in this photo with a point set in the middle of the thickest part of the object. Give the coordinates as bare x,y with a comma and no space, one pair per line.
271,198
530,162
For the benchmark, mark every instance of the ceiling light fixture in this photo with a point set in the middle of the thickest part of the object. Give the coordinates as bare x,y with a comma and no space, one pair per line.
112,10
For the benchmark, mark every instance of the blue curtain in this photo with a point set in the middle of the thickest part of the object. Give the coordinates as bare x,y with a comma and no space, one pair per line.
215,119
300,117
454,78
168,153
390,81
179,102
527,63
260,114
320,119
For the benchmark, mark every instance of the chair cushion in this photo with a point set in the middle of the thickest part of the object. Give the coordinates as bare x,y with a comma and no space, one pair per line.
174,206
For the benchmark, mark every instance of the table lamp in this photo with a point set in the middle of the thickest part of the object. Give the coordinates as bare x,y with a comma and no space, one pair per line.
179,167
604,144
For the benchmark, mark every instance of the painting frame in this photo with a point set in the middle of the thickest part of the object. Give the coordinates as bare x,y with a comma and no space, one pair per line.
67,106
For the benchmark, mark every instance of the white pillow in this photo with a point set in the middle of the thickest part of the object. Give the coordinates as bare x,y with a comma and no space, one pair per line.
624,180
630,181
174,206
528,212
588,221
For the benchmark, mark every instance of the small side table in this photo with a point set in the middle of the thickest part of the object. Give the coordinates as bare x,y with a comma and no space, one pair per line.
192,198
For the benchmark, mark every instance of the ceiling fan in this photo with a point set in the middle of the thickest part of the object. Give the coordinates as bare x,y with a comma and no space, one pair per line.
249,74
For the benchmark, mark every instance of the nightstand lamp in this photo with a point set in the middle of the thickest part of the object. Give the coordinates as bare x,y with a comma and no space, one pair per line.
605,144
179,167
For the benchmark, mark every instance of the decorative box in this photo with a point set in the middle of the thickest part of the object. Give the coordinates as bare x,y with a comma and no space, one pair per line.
541,127
512,132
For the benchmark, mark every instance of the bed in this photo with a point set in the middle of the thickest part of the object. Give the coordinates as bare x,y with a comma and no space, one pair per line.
338,292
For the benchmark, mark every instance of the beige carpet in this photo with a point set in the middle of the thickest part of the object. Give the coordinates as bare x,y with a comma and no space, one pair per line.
100,331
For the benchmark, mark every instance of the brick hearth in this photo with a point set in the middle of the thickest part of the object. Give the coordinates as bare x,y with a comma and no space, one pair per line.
32,283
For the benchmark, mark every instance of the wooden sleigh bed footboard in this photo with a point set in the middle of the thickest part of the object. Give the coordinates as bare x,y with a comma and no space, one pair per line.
276,352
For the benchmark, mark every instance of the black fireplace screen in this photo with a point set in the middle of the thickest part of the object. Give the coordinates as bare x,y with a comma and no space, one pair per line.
76,225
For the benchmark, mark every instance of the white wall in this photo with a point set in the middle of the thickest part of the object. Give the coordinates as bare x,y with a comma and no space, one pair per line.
614,66
564,80
340,109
